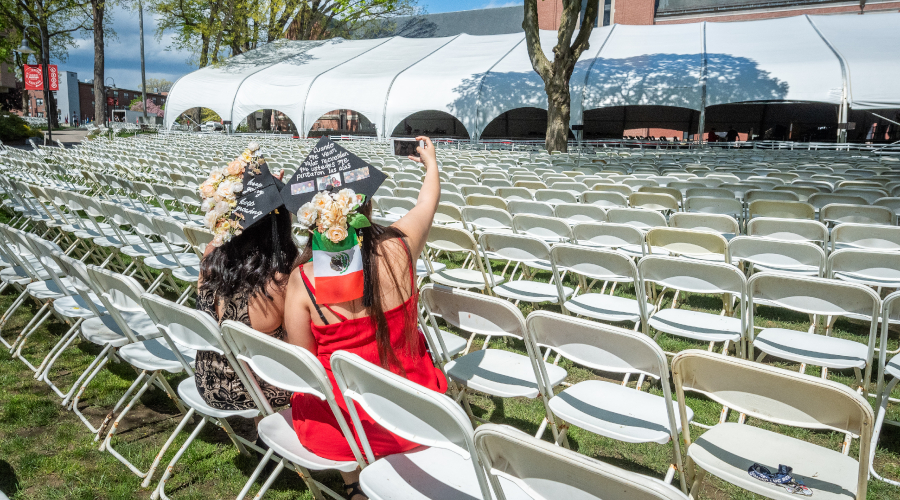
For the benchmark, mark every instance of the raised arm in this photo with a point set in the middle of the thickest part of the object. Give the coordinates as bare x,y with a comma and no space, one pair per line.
417,222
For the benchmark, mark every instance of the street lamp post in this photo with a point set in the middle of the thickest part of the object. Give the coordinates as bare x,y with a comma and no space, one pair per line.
24,49
106,96
143,73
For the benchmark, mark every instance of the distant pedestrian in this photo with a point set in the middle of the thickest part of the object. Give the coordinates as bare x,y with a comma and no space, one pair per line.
732,135
712,137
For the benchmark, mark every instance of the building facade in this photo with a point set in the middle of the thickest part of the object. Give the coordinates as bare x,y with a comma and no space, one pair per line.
645,12
121,99
75,100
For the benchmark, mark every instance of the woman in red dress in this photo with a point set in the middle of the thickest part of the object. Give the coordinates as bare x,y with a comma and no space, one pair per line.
384,333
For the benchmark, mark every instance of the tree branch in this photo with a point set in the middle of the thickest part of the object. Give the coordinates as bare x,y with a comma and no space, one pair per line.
587,26
533,40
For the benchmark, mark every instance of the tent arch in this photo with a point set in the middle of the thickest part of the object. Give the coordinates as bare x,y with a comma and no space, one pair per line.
431,120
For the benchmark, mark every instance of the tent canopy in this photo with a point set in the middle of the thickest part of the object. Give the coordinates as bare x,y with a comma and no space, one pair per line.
840,59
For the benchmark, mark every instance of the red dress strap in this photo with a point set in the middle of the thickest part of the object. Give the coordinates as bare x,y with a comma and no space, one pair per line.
312,290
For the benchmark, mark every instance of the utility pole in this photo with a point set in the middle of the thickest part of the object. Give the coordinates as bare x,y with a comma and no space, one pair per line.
143,72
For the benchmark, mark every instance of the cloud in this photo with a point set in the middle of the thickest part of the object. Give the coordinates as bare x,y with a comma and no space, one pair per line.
123,56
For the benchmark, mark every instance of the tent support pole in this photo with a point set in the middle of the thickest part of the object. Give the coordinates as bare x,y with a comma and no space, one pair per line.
845,80
701,126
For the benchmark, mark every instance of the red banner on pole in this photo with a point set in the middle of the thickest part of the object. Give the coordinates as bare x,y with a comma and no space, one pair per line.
54,77
34,79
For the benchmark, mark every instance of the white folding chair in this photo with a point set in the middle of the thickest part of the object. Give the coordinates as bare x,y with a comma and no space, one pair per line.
543,471
598,264
818,297
891,368
446,466
789,257
495,372
611,410
701,277
532,254
471,273
782,397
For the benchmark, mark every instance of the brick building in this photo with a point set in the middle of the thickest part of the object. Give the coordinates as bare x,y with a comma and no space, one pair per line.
75,99
644,12
122,97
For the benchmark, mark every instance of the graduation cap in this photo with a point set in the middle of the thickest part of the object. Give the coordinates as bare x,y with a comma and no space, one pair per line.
239,195
259,196
330,167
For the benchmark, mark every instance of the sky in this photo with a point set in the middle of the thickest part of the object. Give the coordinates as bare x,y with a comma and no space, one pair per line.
123,63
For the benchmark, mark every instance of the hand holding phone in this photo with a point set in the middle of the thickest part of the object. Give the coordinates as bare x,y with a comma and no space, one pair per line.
406,147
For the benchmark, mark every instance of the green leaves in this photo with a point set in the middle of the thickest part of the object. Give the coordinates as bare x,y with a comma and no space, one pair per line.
358,221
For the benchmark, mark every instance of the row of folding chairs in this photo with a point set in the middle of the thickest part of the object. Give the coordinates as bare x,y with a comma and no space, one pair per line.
436,421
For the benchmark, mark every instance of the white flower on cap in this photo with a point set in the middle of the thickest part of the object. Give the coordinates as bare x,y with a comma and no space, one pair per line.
253,146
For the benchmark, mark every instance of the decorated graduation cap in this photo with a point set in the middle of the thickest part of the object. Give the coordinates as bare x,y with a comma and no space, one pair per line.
326,193
239,195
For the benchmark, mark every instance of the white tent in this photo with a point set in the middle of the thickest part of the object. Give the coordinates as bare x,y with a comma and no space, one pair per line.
845,60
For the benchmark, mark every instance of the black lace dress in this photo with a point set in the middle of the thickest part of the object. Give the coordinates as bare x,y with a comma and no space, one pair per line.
216,380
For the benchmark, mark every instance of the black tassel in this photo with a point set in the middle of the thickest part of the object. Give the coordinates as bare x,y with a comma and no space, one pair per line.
278,256
368,293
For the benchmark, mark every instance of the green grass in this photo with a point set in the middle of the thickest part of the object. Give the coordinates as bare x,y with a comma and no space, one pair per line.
47,453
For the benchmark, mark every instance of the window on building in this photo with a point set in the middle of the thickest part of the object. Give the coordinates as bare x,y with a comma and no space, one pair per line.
39,102
116,93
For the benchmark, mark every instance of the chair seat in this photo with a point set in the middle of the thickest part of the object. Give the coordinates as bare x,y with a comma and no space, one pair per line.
278,432
116,242
728,450
500,373
74,306
155,354
14,275
544,235
697,325
49,289
462,278
453,343
141,250
610,308
190,274
103,331
880,276
422,268
813,349
427,473
893,367
617,412
167,260
530,291
187,391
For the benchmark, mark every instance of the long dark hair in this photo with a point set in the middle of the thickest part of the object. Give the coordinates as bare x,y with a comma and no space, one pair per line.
373,295
251,261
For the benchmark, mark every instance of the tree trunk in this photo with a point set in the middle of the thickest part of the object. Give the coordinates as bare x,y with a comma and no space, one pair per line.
251,122
267,119
97,11
49,101
558,114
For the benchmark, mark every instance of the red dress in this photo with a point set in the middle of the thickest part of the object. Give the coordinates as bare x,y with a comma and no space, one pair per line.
313,420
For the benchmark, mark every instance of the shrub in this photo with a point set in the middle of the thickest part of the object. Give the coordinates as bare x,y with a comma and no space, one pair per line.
13,128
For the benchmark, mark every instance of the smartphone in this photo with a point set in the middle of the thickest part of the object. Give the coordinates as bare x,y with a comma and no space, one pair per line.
406,147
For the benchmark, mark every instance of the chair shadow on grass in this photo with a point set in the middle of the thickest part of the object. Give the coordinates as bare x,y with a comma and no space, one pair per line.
9,482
